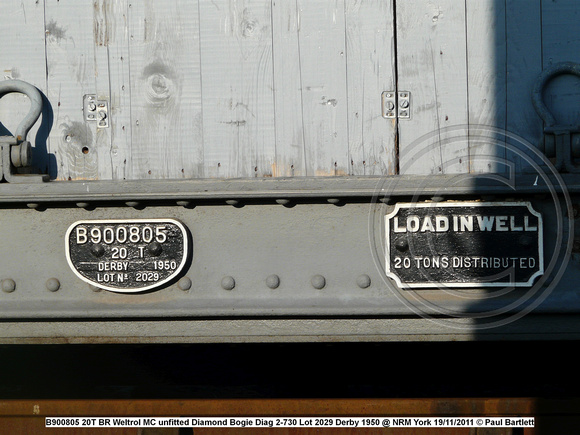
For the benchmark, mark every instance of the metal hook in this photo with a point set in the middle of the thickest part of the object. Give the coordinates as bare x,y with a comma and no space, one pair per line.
33,94
557,138
16,151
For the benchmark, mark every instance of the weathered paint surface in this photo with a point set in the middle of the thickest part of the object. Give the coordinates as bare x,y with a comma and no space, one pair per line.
264,88
474,63
248,88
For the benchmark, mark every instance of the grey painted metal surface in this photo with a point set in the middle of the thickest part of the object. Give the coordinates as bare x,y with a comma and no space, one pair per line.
542,327
329,261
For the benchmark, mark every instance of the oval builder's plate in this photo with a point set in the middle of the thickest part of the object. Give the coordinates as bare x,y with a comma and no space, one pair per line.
127,255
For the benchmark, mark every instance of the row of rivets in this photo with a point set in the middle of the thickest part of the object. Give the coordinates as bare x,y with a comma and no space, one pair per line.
9,285
185,283
138,205
273,282
233,202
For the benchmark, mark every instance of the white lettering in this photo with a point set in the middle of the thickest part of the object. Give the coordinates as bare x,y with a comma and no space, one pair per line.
441,223
81,235
527,226
413,224
399,229
513,224
466,223
500,223
427,225
485,222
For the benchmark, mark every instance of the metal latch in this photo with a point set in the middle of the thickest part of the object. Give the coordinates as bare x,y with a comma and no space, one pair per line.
16,151
396,104
560,141
96,110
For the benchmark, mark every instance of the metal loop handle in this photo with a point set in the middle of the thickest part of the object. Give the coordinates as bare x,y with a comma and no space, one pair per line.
33,94
543,79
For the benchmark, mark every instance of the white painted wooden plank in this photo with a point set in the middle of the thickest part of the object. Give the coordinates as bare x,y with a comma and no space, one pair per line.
370,71
238,89
22,56
165,90
524,64
486,83
560,43
103,31
70,60
324,95
289,121
112,35
431,64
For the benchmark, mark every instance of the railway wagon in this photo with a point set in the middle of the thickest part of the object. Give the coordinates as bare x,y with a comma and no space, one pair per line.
251,171
291,170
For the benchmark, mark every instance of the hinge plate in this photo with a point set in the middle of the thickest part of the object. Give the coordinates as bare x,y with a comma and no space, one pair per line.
96,110
396,104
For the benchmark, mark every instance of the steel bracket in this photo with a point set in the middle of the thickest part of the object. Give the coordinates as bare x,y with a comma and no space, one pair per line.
396,104
16,151
96,110
559,140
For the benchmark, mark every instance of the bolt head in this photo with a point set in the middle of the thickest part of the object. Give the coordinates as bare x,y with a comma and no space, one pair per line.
363,281
228,283
8,285
402,244
154,248
318,282
184,283
52,284
98,250
273,281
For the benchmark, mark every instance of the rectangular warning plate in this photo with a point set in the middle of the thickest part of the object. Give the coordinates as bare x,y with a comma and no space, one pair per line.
464,244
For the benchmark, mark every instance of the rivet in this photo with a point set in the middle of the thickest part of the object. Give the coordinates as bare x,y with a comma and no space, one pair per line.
273,281
363,281
184,283
234,202
228,282
52,284
95,288
33,205
318,282
386,200
335,201
154,248
283,201
402,245
185,203
83,204
97,250
8,285
134,204
437,198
